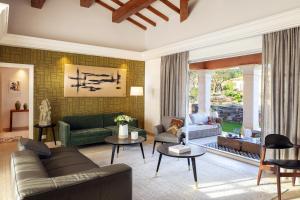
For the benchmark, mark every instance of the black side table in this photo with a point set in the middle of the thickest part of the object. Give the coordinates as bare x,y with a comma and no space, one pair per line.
117,142
196,151
41,128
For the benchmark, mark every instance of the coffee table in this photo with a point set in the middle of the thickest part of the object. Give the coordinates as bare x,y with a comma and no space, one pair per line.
196,151
117,142
251,145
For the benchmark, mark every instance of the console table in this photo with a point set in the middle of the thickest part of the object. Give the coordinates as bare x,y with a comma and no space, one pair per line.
11,117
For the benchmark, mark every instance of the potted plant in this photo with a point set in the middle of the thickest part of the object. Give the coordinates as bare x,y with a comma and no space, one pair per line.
18,105
122,121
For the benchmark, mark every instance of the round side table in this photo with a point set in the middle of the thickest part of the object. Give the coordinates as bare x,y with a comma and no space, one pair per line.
41,128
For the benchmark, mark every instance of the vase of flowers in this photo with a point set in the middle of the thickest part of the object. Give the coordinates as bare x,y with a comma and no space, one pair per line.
122,121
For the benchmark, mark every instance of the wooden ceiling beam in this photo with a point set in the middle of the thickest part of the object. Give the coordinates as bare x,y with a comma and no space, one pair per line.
158,13
37,3
184,10
228,62
171,5
86,3
128,19
120,3
130,8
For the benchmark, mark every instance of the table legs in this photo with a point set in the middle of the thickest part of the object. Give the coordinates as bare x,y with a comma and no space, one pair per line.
53,135
10,121
278,182
40,134
194,171
118,148
158,164
189,164
113,153
114,147
141,145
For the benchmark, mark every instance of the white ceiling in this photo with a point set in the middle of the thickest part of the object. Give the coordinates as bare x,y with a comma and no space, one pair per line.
67,21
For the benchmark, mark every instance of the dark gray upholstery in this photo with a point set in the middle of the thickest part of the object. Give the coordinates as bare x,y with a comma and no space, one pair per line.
161,134
68,175
160,131
38,147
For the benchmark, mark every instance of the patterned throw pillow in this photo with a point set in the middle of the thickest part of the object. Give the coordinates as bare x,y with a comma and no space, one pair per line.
175,125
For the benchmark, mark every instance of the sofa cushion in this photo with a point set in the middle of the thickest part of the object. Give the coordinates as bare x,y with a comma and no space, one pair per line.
201,131
27,165
65,161
108,119
167,137
89,132
84,122
39,148
199,118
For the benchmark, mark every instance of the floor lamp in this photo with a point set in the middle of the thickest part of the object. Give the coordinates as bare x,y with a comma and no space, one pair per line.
136,91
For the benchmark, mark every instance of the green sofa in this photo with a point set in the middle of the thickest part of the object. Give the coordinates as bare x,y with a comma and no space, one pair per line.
89,129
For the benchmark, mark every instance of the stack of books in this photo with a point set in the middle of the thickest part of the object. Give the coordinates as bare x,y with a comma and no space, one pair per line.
179,149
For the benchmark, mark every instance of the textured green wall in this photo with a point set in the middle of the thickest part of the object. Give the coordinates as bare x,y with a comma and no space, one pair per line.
49,82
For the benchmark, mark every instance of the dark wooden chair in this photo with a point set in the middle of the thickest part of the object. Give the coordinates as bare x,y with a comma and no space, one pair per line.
279,142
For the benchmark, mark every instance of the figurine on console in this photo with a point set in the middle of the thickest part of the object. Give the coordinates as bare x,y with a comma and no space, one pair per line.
45,113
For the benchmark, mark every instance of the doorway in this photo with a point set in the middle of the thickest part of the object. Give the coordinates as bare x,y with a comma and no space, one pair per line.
16,101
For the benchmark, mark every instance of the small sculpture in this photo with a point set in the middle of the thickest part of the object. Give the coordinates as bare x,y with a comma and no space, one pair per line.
45,113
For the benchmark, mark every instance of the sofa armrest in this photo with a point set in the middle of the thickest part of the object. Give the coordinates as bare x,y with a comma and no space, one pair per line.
158,129
110,182
134,123
64,133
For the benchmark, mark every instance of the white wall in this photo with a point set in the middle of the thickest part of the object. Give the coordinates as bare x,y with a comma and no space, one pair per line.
152,94
8,99
67,21
212,15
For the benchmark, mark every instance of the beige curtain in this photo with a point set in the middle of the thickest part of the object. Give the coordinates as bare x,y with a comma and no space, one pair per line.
281,85
174,77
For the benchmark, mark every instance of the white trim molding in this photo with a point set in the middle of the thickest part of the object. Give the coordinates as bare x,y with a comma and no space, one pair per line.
4,9
241,47
31,90
70,47
285,20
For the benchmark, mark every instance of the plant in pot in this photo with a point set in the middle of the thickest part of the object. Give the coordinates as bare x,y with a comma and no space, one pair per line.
122,122
18,105
25,106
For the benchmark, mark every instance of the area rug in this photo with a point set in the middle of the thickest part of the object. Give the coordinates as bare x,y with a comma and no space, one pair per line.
219,177
9,139
214,145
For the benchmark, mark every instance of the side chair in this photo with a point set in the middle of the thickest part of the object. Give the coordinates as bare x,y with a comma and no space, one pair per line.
279,142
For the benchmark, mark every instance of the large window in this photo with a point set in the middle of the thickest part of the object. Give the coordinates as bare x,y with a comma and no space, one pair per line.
227,97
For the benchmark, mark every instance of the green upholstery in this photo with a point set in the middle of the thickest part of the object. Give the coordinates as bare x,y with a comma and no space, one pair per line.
115,130
84,122
108,119
89,129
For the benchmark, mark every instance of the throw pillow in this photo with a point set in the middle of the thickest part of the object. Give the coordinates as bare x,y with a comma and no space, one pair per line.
172,129
175,125
199,118
39,148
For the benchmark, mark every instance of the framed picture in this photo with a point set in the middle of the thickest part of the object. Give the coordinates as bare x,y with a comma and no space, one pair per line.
14,87
88,81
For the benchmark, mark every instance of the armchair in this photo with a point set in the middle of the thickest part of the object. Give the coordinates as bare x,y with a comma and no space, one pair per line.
279,142
161,134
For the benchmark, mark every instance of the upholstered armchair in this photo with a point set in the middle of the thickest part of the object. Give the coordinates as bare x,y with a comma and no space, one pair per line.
161,134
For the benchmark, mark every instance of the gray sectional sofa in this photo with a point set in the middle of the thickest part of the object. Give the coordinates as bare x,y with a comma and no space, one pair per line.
68,175
200,126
